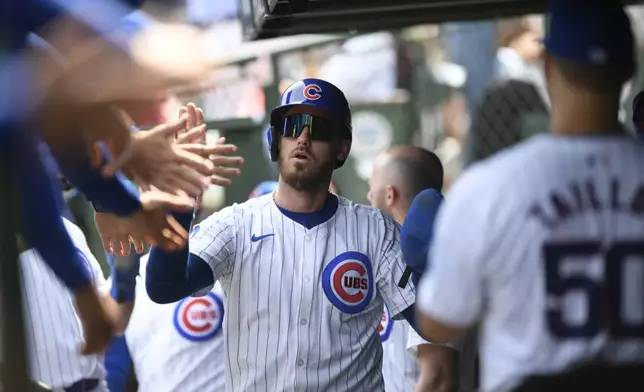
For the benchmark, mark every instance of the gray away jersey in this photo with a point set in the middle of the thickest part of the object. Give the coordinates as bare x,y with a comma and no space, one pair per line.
303,306
543,245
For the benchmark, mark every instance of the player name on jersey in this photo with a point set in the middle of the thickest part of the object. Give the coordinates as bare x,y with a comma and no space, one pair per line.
582,196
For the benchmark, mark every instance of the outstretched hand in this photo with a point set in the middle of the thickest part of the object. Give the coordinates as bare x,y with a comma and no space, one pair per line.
193,140
154,159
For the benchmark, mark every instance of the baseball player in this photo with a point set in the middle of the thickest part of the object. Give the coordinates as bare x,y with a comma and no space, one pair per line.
164,341
542,244
54,336
398,174
305,272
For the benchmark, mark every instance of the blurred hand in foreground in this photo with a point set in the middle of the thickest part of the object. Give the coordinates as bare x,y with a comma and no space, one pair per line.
153,159
193,140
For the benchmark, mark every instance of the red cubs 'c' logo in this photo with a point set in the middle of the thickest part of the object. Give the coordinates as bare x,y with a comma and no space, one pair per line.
385,326
199,319
348,282
312,92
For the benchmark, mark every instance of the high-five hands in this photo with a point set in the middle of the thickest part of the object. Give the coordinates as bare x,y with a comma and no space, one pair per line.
194,140
153,225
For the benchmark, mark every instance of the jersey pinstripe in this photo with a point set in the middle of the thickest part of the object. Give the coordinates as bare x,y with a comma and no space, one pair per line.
53,330
303,305
533,243
177,347
399,367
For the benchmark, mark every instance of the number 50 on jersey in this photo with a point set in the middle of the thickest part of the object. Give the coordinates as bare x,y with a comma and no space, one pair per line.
607,279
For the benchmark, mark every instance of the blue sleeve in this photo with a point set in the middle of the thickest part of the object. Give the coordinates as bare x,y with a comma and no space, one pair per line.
117,363
115,195
410,316
100,15
41,200
172,276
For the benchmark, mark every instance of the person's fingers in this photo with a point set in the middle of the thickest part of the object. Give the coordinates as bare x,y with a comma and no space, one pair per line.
221,140
201,118
183,111
192,115
177,234
200,164
169,129
106,242
125,246
220,181
139,246
117,246
157,199
226,161
110,168
192,136
223,171
215,149
186,183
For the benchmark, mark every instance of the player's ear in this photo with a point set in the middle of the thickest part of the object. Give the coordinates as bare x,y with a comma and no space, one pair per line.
345,147
390,195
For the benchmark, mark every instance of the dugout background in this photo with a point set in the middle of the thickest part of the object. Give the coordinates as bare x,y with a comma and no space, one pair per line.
449,87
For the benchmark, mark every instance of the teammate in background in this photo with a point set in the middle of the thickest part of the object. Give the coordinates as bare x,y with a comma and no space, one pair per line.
398,174
305,273
542,244
53,333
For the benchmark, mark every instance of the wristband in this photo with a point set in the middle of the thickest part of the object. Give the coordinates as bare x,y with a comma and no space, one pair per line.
124,270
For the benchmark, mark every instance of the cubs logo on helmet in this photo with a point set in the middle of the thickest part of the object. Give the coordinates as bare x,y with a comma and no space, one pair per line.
199,319
348,282
386,325
312,92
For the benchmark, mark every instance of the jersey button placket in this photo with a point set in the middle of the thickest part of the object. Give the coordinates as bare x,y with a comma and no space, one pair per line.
309,263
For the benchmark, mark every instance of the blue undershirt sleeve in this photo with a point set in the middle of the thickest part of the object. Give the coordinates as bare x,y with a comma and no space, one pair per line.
117,364
172,276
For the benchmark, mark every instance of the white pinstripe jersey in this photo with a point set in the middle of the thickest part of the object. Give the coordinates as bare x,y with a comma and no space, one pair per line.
53,331
303,305
177,347
399,367
533,244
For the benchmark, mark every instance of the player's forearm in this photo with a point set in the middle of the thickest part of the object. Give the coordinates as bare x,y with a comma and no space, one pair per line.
98,16
172,276
437,368
41,208
119,313
113,195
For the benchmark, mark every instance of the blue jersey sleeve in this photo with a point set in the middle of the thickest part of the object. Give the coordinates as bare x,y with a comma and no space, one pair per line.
118,363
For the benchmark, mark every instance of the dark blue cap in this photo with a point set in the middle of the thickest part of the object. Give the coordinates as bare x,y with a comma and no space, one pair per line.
590,32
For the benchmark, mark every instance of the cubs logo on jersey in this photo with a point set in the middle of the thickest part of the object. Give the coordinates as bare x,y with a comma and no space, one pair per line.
386,325
348,282
312,92
199,319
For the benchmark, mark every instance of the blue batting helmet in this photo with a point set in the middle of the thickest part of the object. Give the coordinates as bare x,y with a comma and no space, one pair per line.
315,93
263,188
